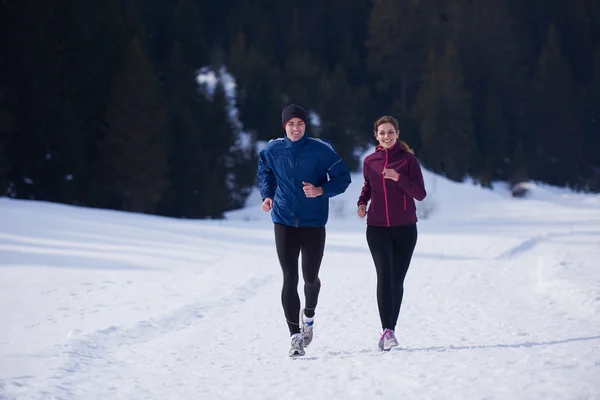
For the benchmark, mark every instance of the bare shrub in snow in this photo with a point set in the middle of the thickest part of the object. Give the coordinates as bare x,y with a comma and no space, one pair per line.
520,189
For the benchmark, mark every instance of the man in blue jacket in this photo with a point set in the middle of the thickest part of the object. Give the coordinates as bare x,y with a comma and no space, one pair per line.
297,175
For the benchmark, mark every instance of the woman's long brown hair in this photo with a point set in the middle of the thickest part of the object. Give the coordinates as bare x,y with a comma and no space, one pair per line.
394,122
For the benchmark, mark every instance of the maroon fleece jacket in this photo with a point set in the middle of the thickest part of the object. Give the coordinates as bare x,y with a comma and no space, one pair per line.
392,203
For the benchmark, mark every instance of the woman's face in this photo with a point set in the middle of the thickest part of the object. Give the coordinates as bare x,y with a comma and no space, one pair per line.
294,129
387,135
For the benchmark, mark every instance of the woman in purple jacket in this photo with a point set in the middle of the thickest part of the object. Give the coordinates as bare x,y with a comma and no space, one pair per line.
393,179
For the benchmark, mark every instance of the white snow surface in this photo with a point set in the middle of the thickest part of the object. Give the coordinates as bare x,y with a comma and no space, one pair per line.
502,301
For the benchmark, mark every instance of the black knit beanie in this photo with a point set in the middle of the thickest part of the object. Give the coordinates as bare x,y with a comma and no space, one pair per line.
292,111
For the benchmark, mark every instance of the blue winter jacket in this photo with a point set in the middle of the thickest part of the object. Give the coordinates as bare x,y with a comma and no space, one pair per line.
282,167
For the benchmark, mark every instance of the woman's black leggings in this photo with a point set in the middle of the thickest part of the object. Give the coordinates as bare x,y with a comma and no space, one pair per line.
290,242
392,249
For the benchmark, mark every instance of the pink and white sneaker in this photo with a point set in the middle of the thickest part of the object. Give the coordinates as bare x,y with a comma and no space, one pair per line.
388,340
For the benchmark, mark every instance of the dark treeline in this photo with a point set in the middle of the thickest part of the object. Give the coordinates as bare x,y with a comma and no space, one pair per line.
99,103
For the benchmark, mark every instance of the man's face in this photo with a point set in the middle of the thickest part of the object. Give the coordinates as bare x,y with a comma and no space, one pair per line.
294,129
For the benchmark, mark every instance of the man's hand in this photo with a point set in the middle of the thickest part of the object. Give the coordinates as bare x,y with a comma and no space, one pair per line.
267,205
362,210
390,173
311,191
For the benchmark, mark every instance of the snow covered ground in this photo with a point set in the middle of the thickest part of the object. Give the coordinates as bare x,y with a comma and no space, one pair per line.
502,301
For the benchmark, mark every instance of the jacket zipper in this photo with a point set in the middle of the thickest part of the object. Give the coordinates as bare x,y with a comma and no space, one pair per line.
387,214
295,163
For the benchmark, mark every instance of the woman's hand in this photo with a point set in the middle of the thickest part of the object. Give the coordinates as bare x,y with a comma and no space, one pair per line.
362,210
267,205
389,173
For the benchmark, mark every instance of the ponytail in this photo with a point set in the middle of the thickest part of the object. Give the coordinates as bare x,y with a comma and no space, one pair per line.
405,146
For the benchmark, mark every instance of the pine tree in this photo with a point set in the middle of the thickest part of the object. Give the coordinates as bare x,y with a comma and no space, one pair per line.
187,109
187,122
494,47
591,142
5,114
214,20
237,54
301,78
578,22
256,86
339,107
36,81
295,40
5,129
518,165
444,111
132,160
153,23
493,142
190,33
494,44
594,101
218,143
95,43
263,30
341,31
241,158
559,129
260,95
396,49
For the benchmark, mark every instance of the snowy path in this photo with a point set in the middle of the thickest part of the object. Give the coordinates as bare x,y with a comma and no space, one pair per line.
98,305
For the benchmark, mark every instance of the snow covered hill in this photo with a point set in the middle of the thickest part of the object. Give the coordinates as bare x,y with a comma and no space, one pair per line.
502,301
